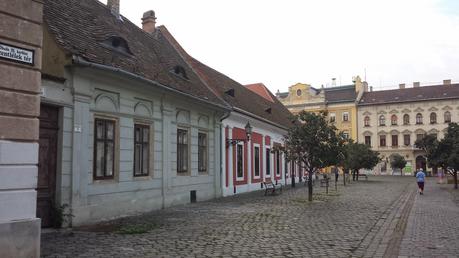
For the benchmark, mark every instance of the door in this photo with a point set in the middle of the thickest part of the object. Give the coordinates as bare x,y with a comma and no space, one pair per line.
47,156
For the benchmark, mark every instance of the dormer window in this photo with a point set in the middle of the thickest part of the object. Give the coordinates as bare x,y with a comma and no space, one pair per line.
180,71
118,44
230,92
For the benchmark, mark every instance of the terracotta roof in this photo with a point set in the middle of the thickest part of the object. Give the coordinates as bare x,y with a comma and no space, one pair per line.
225,87
410,94
260,89
86,28
340,94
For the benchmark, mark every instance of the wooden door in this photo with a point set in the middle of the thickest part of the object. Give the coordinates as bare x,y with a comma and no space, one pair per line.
46,187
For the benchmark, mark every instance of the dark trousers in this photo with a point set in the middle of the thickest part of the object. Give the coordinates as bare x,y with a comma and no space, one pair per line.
421,185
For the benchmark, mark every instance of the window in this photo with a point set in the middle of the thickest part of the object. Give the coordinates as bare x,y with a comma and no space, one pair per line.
277,162
382,140
332,117
406,119
104,148
256,152
382,120
447,117
182,151
368,140
298,93
406,139
366,121
141,149
345,116
239,160
394,140
419,119
268,162
346,135
419,136
433,118
202,152
393,120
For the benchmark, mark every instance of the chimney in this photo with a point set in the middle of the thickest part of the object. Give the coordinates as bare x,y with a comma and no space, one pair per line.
149,21
114,6
371,88
401,85
416,84
447,82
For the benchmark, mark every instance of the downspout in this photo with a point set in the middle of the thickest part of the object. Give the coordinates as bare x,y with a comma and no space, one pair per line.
225,116
164,181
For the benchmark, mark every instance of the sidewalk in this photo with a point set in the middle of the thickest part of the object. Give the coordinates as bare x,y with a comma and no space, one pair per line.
433,224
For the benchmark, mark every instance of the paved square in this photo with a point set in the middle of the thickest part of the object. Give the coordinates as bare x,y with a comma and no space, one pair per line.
364,219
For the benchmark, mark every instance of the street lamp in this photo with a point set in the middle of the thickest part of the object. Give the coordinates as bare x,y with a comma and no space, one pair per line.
248,132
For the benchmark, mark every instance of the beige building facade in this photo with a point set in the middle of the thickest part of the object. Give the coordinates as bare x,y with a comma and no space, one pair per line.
20,64
391,121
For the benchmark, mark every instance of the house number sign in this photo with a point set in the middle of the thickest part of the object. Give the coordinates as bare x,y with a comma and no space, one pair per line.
16,54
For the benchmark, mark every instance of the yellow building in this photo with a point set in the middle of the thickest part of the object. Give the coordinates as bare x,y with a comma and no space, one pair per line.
339,101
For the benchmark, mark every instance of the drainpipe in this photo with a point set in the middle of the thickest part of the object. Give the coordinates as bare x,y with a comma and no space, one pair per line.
222,148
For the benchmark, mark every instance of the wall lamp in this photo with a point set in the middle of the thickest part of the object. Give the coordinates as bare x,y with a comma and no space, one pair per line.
248,133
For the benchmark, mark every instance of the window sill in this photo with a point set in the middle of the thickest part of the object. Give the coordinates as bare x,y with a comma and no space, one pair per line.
142,177
183,173
100,181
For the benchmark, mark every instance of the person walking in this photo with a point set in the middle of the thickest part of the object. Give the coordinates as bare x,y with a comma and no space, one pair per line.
420,178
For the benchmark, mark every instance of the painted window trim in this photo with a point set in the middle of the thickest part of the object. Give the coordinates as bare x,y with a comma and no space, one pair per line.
260,160
243,162
188,171
142,125
115,148
268,149
206,171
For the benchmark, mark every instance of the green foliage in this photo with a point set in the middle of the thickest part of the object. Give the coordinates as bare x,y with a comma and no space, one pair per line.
359,156
313,141
60,214
443,153
398,161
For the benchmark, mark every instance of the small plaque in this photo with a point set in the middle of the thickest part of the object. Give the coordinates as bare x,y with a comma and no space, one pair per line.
16,54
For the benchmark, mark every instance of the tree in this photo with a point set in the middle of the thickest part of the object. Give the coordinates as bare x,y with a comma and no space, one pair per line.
359,156
313,143
398,161
443,153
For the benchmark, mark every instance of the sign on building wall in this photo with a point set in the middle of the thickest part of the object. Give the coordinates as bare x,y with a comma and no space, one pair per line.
16,54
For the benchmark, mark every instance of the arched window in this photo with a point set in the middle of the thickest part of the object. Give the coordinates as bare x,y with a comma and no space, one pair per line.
406,119
382,120
447,117
393,120
418,118
433,118
366,121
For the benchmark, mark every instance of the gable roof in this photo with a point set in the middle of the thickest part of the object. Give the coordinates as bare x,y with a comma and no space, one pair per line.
260,89
243,99
410,94
83,28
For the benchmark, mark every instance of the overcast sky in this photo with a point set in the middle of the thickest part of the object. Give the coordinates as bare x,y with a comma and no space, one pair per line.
282,42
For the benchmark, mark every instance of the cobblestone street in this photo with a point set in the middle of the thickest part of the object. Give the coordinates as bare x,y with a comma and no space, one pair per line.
364,219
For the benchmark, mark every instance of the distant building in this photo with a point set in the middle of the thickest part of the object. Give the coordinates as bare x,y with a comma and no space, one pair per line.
390,121
338,101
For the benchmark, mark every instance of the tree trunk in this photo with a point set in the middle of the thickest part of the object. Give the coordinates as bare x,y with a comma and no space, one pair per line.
357,172
353,175
310,186
344,176
293,179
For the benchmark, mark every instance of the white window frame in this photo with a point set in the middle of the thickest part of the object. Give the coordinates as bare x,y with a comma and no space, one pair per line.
348,118
243,162
256,145
265,169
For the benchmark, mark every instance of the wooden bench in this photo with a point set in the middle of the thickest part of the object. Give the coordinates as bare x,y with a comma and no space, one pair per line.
271,187
363,175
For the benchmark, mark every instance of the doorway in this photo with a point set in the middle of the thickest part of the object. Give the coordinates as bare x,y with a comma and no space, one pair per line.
47,158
